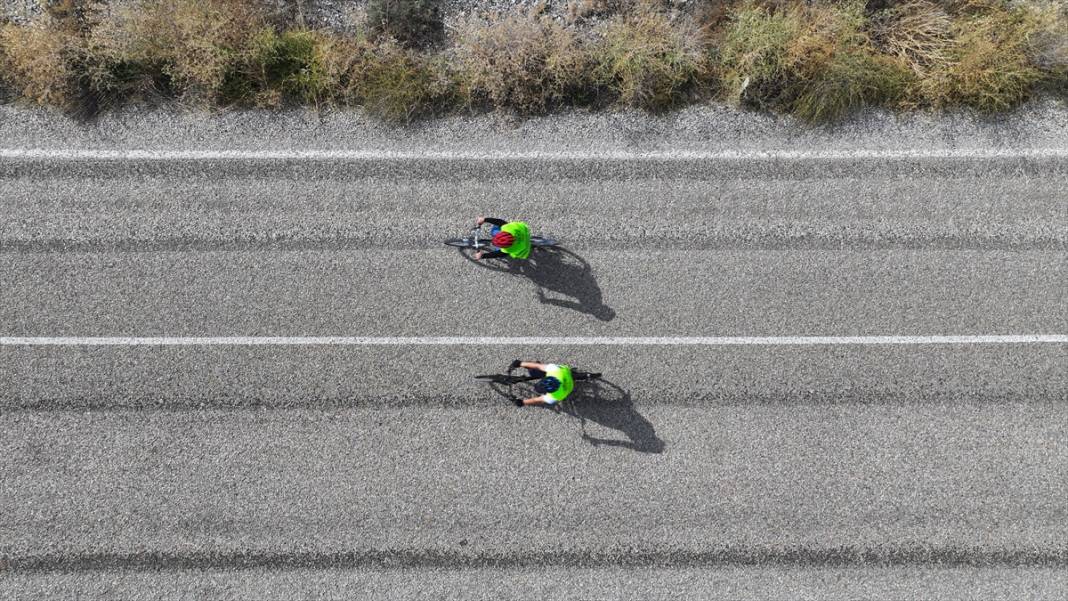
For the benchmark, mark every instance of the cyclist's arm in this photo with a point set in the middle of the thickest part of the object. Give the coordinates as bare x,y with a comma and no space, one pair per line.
493,221
538,400
532,365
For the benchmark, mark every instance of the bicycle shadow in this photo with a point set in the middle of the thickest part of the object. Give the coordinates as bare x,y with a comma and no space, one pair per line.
561,272
603,403
610,406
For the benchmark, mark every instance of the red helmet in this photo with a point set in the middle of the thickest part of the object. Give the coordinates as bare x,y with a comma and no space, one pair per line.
503,239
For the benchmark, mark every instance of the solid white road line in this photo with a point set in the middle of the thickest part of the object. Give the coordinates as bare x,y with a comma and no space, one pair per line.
60,154
521,340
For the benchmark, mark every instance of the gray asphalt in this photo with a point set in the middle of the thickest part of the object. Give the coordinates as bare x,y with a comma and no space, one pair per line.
775,472
764,582
703,204
904,484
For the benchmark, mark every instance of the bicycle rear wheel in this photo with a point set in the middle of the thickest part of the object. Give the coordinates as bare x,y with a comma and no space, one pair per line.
542,242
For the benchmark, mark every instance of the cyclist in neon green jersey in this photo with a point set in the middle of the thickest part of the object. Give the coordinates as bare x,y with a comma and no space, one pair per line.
555,382
511,238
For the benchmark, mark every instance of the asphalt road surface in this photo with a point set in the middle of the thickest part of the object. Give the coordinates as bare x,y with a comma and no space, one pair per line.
769,469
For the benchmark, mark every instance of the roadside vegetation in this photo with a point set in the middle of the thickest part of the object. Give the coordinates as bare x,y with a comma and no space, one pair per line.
816,59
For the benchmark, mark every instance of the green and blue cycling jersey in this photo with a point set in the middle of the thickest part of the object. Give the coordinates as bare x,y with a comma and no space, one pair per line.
567,383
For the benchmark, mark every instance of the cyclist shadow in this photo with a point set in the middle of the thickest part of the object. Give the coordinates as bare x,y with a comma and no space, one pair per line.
611,407
561,273
603,403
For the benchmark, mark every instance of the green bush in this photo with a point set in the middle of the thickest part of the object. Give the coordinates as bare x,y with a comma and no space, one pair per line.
752,58
648,61
398,84
280,67
413,23
527,63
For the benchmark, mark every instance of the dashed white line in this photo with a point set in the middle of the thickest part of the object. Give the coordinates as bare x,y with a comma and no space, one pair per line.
525,340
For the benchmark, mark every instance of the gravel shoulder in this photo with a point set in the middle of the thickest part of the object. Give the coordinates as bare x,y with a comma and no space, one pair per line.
1039,126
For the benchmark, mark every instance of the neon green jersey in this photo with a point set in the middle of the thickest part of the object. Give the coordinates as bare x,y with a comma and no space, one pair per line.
567,382
520,249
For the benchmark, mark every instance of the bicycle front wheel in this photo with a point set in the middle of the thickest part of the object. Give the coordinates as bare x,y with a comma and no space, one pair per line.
507,379
467,242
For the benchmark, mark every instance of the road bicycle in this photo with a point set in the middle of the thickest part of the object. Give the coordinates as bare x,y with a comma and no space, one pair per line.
507,382
478,240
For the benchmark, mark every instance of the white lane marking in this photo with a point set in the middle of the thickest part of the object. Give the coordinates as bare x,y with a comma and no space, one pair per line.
388,155
521,340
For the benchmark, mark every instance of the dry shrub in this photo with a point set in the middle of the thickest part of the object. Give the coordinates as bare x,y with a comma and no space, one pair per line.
197,43
115,68
526,62
650,61
37,61
56,60
919,35
819,59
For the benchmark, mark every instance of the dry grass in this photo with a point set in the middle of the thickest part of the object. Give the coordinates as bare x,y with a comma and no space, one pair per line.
987,55
524,62
649,60
918,34
990,68
833,67
1049,43
817,61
